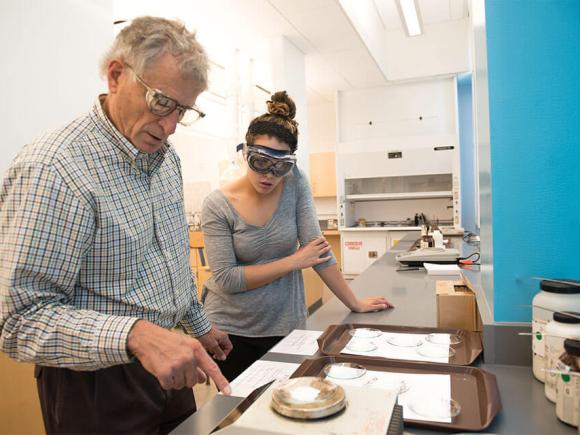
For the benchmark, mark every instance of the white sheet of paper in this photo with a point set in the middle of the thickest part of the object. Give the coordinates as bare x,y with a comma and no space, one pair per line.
298,342
386,350
442,269
260,373
425,393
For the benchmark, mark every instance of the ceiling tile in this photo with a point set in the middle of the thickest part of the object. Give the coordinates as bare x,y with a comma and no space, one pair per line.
433,11
322,77
357,68
332,33
389,14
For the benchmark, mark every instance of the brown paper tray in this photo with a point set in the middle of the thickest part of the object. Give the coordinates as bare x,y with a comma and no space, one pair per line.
476,390
335,338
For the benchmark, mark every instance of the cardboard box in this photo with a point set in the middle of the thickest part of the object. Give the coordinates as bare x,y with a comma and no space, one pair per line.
457,306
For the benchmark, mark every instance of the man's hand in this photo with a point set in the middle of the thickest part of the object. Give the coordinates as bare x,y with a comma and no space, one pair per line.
217,343
176,360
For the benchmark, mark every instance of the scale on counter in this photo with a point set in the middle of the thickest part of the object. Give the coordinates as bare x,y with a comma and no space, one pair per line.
428,255
314,405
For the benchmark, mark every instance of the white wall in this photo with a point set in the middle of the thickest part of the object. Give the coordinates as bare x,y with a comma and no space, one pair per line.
443,50
289,73
483,147
401,116
322,131
49,72
322,126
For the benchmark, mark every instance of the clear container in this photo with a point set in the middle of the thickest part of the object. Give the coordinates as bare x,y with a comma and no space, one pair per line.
344,370
403,340
557,295
436,407
436,351
361,345
568,386
564,325
365,333
443,339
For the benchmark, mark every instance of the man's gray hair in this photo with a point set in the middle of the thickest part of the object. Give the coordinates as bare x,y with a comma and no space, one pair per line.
146,39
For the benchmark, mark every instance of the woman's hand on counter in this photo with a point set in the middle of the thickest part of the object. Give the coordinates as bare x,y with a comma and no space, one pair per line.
334,280
376,303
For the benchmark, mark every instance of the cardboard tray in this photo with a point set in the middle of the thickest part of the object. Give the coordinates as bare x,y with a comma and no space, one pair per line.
335,338
476,390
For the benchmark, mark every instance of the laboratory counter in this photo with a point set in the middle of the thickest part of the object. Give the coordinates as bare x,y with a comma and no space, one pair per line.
525,409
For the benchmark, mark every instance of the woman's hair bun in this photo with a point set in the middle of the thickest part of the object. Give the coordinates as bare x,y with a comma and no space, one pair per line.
281,104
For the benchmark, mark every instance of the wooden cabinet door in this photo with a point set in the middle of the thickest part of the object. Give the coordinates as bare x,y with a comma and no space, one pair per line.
19,405
323,174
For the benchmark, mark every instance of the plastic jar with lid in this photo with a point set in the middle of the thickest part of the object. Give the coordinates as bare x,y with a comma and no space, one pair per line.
568,386
556,295
564,325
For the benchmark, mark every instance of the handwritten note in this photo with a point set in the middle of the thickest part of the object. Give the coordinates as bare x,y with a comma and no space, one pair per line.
298,342
260,373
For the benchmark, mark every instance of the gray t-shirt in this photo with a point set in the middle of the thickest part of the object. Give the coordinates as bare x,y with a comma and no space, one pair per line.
276,308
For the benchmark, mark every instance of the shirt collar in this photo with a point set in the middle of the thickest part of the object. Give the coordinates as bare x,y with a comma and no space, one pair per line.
123,145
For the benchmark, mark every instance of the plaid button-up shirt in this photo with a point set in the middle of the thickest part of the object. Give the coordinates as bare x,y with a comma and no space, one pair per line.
92,238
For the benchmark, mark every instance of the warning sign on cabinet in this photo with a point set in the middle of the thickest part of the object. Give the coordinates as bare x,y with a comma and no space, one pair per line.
353,245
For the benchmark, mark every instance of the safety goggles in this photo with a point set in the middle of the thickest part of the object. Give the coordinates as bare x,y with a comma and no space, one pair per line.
265,160
161,105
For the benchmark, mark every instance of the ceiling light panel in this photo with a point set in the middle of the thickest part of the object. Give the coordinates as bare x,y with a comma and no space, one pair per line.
410,16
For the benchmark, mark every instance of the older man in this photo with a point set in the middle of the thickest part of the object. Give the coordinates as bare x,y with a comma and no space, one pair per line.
94,253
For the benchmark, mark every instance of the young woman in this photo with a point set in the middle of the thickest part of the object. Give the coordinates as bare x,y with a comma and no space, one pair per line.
260,231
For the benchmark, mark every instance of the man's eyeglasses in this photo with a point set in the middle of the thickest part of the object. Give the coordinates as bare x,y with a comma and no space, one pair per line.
263,160
161,105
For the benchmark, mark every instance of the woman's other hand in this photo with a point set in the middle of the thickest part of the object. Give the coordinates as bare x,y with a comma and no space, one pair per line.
376,303
311,254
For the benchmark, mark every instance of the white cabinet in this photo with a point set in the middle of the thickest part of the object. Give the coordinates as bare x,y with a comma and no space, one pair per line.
360,249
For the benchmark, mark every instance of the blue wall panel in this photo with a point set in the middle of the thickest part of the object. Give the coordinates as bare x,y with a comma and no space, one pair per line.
533,51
